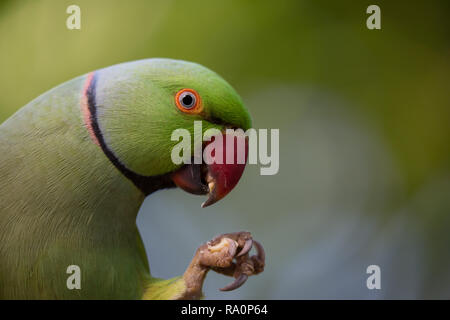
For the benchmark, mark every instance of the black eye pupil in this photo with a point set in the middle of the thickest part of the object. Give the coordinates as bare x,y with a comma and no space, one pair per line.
187,100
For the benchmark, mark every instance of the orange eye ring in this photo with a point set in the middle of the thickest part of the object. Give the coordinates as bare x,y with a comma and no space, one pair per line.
188,101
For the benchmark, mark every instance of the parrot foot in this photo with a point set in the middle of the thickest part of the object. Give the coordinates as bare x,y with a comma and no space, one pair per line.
227,254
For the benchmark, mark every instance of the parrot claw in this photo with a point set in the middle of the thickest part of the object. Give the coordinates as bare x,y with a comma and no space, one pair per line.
219,253
227,254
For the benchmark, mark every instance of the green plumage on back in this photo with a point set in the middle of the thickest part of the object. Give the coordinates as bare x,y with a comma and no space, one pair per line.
63,200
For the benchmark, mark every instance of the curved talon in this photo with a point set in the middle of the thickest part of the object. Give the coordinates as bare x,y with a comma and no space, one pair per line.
260,251
247,247
236,283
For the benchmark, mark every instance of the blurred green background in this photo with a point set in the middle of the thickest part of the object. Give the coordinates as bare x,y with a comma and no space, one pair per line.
364,131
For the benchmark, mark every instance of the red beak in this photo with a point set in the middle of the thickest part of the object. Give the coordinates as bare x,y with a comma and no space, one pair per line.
219,175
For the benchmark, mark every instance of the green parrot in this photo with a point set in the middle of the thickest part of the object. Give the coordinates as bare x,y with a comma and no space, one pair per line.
76,164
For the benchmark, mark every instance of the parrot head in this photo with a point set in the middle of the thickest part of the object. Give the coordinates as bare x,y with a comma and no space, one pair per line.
138,105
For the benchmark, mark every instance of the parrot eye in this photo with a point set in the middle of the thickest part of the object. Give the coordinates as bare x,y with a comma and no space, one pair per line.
187,100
